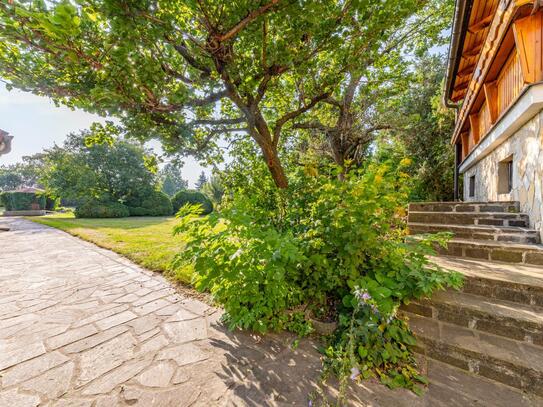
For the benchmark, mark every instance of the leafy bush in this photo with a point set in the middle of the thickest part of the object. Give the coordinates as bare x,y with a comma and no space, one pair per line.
183,197
325,245
51,203
155,204
23,201
98,209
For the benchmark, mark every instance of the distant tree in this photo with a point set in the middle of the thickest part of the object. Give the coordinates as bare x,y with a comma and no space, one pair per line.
100,165
26,173
214,189
202,180
172,179
421,130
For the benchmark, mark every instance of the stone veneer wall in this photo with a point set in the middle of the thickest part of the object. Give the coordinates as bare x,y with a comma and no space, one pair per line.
526,147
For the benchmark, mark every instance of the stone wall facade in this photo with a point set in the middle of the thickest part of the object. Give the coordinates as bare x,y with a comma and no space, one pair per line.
525,147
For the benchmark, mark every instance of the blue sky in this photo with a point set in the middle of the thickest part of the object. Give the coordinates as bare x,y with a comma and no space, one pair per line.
36,123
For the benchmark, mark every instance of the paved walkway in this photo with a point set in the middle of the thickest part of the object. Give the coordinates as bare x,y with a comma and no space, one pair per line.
82,326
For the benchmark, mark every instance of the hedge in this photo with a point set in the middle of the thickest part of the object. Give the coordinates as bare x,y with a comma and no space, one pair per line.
193,197
23,201
97,209
156,204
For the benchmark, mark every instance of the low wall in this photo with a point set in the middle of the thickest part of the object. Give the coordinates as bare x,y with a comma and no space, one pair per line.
25,213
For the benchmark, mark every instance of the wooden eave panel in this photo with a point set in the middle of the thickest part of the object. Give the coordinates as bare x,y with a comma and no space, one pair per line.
495,34
529,39
481,16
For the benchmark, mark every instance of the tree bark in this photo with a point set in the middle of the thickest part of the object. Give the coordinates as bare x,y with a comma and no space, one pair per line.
274,165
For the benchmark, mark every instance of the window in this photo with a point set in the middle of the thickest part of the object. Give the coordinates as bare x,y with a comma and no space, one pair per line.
505,176
472,186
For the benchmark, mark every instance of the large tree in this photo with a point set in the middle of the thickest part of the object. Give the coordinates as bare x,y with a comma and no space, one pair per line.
189,71
25,173
171,178
91,167
345,125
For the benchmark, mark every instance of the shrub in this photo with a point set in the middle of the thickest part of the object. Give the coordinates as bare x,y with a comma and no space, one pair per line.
98,209
51,203
183,197
23,201
336,249
155,204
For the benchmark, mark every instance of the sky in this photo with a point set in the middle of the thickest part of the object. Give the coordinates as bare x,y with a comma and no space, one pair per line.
36,123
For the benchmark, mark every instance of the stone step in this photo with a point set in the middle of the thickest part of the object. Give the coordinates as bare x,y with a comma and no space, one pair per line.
503,318
518,253
516,283
513,363
512,234
470,218
508,207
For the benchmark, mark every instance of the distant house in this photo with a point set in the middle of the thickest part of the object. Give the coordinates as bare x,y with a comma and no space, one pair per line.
495,78
5,142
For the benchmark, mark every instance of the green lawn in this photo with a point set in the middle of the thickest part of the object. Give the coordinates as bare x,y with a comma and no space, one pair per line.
147,241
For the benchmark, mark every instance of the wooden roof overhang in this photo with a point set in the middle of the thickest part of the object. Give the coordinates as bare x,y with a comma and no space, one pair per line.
480,28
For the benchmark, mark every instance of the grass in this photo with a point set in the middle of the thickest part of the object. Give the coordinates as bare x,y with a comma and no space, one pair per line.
147,241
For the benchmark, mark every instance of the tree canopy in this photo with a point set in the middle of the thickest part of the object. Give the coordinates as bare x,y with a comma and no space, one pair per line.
187,72
107,171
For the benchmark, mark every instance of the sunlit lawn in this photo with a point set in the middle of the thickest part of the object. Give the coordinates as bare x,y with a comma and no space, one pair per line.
147,241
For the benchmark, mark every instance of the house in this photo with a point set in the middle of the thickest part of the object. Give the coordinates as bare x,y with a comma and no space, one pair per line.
495,80
5,142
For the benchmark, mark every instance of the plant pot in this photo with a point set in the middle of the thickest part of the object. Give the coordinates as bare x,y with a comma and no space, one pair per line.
323,328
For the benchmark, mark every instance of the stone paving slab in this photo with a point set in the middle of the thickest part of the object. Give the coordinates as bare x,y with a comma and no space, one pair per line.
83,326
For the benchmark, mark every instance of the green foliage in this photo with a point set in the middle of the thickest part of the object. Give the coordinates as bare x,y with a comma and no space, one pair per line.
172,179
155,204
214,189
315,246
98,209
51,203
189,72
100,165
23,201
422,128
26,173
189,196
201,181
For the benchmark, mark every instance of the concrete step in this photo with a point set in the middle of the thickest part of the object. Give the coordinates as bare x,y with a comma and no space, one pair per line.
516,283
518,253
507,207
513,363
498,317
470,218
512,234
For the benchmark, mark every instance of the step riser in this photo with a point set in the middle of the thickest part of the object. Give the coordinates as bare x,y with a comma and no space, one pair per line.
504,254
465,207
513,237
504,290
505,219
504,372
520,330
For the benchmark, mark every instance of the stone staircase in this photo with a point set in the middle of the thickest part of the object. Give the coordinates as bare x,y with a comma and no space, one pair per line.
493,327
489,231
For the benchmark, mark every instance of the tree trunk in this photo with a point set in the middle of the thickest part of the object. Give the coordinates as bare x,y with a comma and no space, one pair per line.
274,165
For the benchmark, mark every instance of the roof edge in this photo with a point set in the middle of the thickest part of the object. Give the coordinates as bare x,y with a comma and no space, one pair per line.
460,22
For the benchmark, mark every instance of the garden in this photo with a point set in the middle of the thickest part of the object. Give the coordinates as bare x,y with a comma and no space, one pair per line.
319,132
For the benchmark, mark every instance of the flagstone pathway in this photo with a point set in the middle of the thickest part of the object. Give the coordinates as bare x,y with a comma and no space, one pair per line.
82,326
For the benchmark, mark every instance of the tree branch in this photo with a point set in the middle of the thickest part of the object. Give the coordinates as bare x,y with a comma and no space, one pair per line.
211,98
218,122
246,21
295,113
185,53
